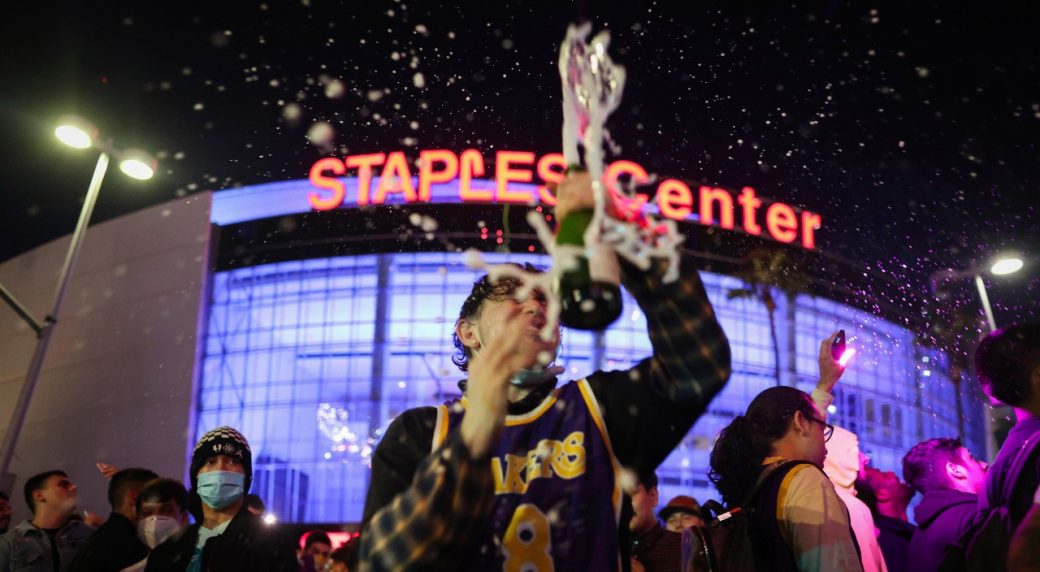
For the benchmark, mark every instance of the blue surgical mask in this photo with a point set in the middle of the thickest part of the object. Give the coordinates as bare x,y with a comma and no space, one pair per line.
219,489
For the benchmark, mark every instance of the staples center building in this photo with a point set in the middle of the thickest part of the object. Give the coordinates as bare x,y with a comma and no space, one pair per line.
310,313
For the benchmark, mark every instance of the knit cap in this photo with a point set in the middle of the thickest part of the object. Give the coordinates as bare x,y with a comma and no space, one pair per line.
221,441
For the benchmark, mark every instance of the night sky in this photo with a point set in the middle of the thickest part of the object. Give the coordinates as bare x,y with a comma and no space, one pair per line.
912,127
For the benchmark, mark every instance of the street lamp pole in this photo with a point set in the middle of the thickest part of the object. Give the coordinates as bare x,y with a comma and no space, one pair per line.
1002,266
44,330
985,302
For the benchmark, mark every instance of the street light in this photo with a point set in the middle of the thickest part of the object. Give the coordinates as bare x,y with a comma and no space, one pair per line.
999,266
76,132
81,134
1006,265
137,164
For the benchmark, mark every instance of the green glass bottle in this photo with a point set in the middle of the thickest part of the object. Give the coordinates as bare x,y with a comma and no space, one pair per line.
589,285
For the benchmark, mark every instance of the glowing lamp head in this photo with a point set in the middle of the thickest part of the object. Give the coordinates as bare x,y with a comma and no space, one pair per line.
137,164
1006,265
846,356
269,519
75,132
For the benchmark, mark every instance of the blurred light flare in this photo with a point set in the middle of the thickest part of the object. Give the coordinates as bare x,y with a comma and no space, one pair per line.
136,169
73,136
846,356
1007,265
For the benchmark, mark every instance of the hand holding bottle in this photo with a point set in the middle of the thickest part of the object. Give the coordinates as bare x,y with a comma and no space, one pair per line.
589,282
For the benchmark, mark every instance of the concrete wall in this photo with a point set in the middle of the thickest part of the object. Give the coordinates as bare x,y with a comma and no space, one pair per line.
119,375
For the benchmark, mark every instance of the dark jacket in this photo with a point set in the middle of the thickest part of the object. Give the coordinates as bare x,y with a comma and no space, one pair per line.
111,548
248,545
942,517
894,537
1016,496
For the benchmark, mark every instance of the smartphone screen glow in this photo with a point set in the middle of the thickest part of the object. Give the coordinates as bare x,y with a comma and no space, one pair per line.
846,356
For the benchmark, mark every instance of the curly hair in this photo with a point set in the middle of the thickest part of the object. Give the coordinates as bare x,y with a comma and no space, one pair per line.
484,289
736,459
1006,359
924,464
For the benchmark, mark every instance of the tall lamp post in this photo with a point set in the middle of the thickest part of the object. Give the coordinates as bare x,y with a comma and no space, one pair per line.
1000,266
80,134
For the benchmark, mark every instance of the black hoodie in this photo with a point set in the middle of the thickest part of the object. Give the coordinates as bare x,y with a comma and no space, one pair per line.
942,517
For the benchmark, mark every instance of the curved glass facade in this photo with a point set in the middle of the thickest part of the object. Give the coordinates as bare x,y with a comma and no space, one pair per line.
312,359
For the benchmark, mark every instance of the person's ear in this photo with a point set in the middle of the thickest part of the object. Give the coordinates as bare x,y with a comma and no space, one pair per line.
801,424
466,331
655,496
955,471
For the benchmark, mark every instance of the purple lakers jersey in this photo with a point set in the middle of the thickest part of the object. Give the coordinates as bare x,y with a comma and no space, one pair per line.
557,487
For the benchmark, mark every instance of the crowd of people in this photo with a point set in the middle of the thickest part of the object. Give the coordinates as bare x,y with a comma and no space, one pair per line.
522,473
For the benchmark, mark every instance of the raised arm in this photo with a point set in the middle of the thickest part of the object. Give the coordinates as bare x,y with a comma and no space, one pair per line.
830,373
430,523
649,408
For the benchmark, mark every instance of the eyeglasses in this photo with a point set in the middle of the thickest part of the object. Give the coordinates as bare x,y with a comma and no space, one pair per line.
828,429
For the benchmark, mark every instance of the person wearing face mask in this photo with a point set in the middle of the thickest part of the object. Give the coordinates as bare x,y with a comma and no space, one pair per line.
48,542
115,545
162,513
227,537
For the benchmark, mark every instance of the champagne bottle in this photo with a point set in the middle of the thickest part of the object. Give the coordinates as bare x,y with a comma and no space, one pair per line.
589,283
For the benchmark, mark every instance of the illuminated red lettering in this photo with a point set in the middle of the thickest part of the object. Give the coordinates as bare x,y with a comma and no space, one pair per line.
781,222
472,163
810,222
428,176
504,173
709,197
396,178
750,206
627,208
364,164
550,175
617,168
318,179
674,199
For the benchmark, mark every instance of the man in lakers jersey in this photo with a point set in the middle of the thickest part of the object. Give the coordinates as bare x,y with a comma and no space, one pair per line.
528,476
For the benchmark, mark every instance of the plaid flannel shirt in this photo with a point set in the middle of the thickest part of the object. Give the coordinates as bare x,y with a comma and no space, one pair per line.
432,523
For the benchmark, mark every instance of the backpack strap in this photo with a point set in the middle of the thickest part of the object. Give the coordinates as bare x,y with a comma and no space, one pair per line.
785,467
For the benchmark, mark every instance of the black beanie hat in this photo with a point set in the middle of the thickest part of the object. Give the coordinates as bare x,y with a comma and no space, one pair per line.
221,441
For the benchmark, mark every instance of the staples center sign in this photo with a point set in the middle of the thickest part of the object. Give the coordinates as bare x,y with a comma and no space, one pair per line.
674,199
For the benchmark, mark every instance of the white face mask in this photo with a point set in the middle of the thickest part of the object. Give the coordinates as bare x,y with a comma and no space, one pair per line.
153,530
